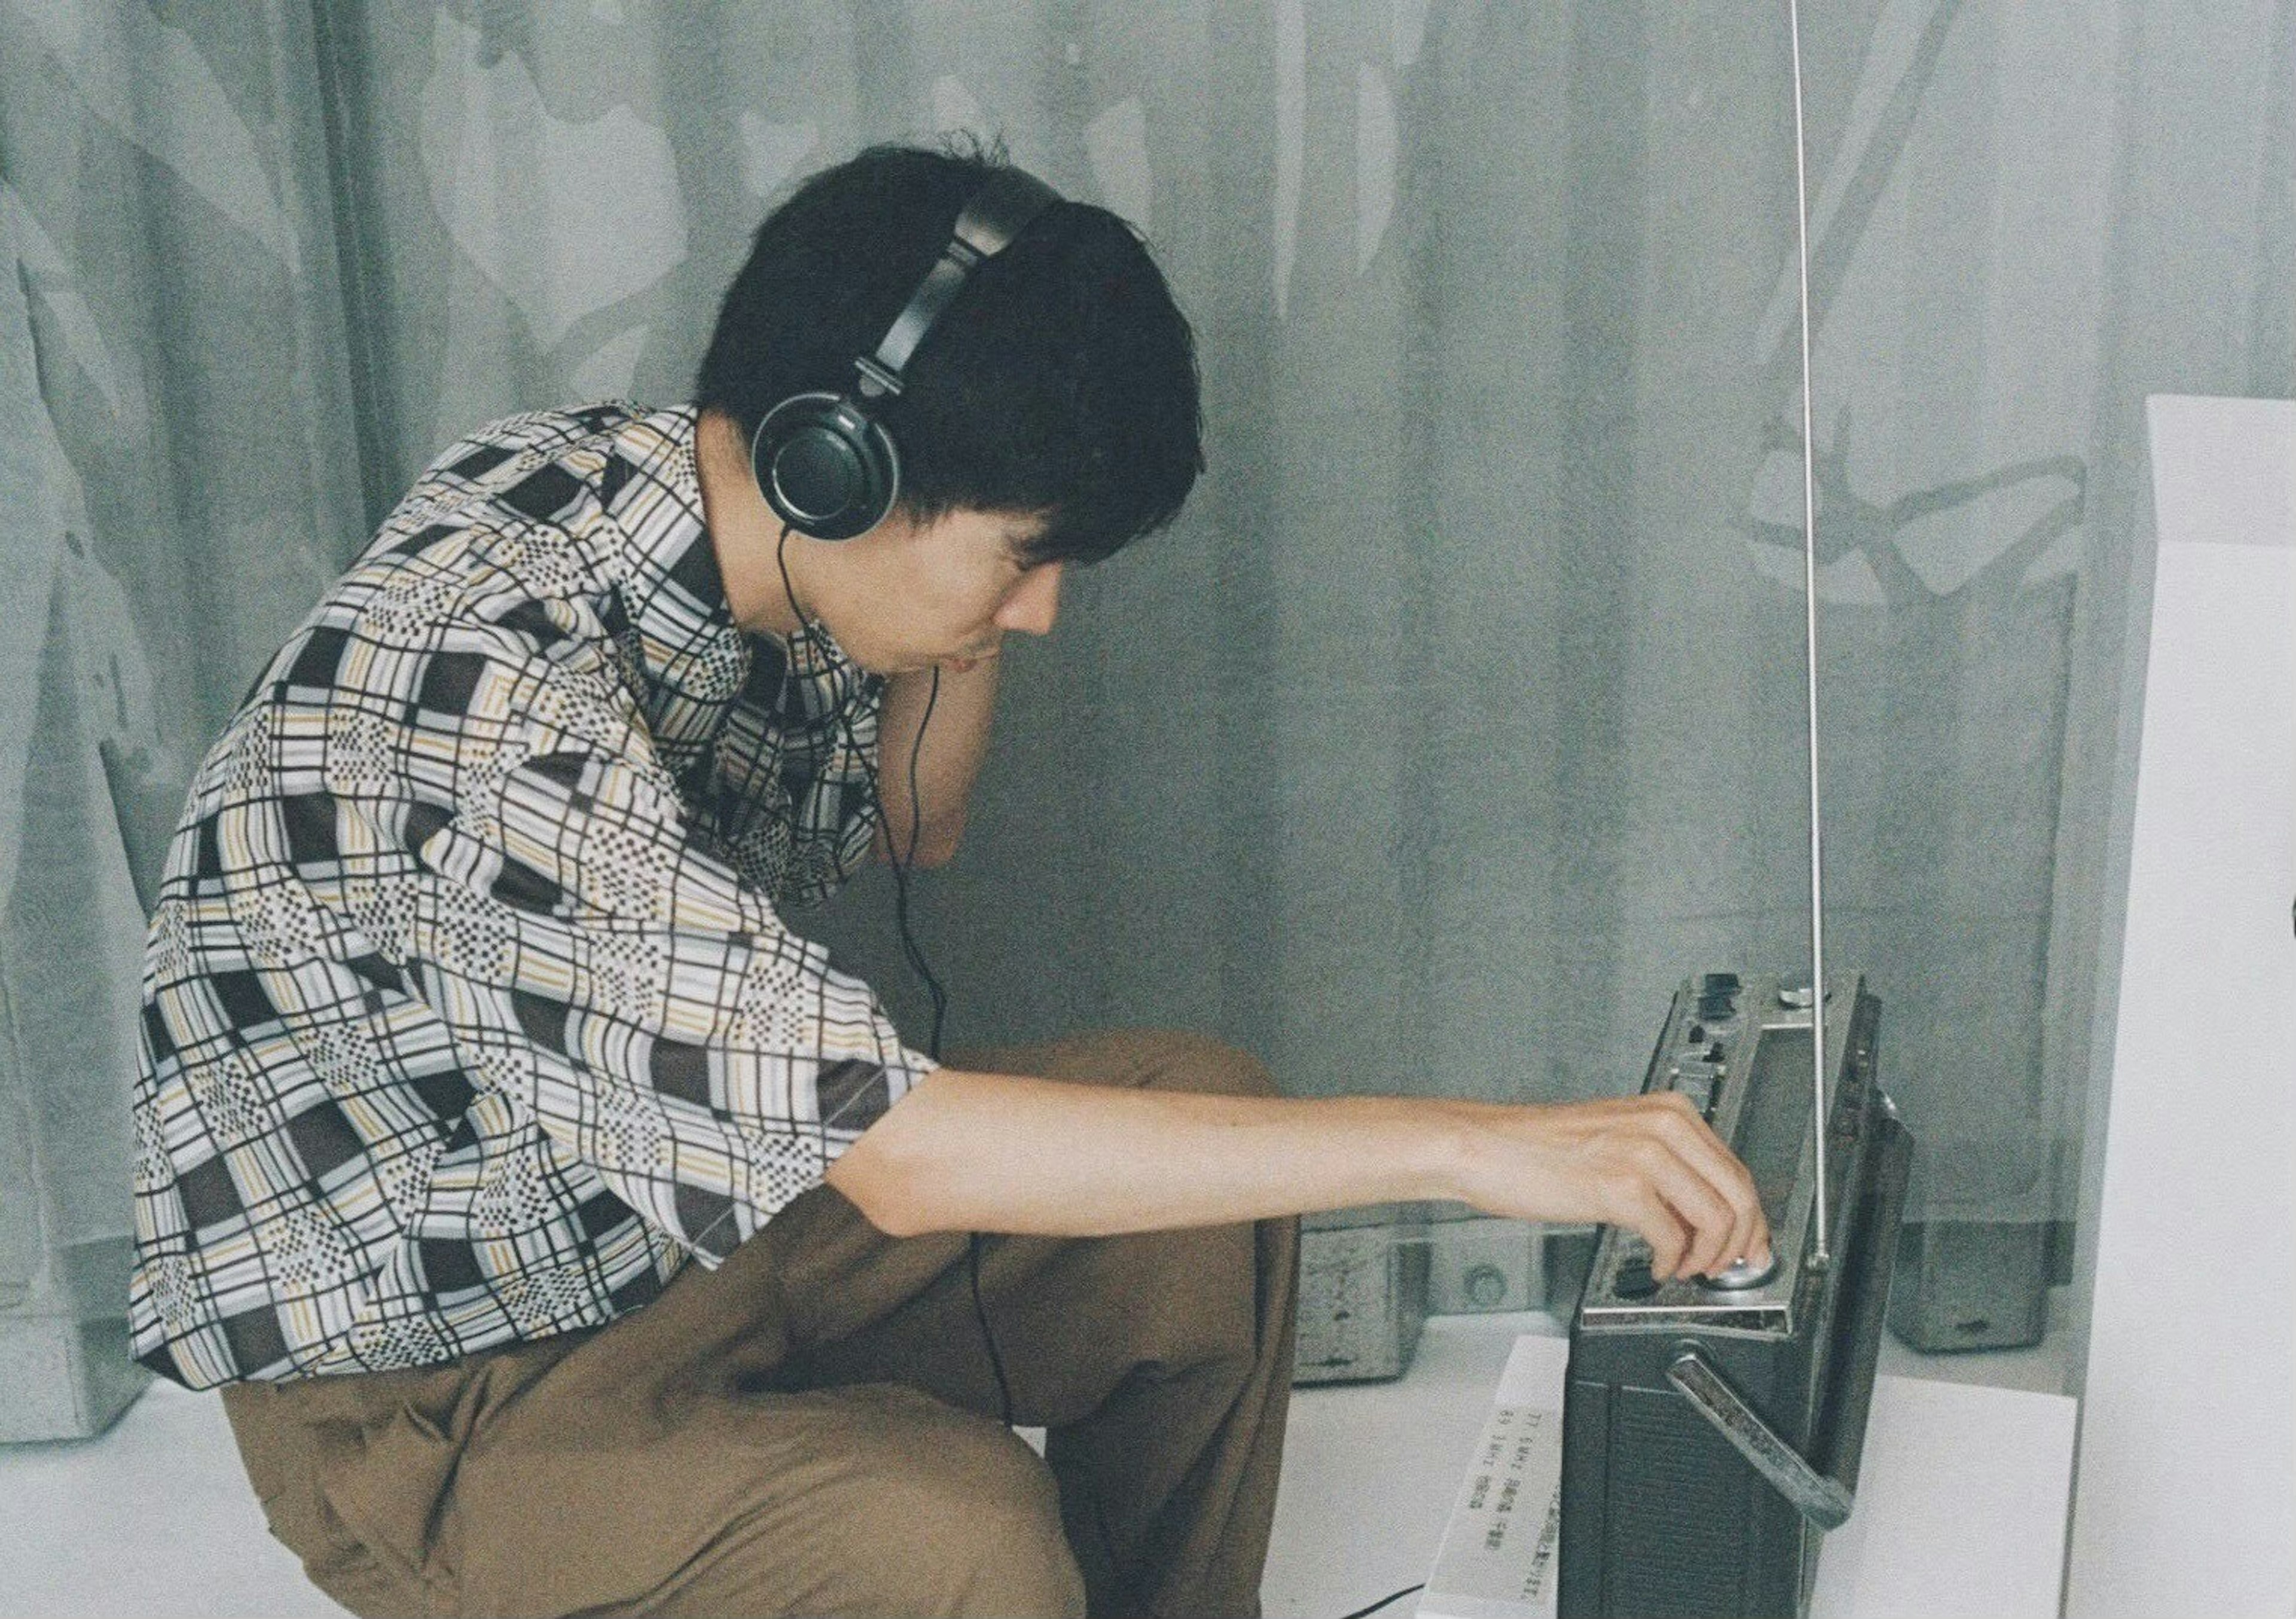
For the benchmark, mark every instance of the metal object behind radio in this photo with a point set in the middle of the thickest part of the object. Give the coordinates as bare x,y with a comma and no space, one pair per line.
1363,1293
1711,1435
1969,1284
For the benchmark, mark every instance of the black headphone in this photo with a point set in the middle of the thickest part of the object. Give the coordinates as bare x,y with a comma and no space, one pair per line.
826,466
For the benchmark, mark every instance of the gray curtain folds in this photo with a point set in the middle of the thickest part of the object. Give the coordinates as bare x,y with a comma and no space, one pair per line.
178,481
1459,717
1463,714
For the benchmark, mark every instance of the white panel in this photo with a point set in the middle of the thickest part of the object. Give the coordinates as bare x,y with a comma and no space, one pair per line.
2186,1493
2224,470
1961,1506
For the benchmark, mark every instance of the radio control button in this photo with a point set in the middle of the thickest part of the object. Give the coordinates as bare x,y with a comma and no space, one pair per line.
1634,1280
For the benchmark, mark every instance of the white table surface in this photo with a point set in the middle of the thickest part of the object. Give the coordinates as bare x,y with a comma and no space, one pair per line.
1961,1494
155,1519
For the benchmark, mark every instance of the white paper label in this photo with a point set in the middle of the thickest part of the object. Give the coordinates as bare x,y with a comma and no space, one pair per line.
1497,1560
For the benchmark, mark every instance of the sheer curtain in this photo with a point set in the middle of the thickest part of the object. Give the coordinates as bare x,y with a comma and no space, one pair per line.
1459,716
179,481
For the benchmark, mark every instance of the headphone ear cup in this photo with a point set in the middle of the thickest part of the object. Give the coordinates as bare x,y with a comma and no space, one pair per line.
826,467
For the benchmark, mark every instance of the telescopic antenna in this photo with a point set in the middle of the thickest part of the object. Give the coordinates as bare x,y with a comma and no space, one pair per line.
1819,1257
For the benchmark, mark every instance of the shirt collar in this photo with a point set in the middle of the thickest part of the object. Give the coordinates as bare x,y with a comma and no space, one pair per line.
675,596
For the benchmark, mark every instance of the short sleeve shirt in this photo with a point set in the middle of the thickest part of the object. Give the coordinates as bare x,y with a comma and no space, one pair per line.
468,1010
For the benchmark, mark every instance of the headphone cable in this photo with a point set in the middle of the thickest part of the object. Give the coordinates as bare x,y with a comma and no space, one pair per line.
1362,1612
901,860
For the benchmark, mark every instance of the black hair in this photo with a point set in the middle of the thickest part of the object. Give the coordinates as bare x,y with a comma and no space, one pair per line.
1061,383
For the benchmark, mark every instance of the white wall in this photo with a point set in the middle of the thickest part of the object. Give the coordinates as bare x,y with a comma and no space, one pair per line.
2186,1482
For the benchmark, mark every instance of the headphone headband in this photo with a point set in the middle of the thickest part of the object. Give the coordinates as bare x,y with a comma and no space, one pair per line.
823,462
997,212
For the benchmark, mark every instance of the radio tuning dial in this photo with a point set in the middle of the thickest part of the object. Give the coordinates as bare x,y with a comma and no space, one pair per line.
1741,1275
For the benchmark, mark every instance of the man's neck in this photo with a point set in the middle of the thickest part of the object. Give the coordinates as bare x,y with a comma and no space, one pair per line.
745,532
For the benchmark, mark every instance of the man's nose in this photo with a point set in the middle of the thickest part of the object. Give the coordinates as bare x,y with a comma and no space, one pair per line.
1035,602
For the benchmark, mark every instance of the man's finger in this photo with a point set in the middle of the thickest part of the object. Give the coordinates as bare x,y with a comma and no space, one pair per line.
1650,1216
1702,1209
1731,1181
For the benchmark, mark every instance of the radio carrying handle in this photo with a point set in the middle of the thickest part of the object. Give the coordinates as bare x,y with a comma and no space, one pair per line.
1825,1502
1819,1499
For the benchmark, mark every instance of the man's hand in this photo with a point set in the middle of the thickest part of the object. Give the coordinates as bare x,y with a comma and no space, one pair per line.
1648,1163
947,766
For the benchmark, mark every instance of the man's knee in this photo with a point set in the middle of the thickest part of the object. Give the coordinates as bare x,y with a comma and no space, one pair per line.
1152,1060
968,1522
1182,1061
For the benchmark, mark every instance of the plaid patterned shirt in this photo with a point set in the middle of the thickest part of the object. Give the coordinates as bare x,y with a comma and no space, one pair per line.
467,1011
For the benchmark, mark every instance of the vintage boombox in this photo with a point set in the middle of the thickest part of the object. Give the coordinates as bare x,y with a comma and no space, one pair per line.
1711,1430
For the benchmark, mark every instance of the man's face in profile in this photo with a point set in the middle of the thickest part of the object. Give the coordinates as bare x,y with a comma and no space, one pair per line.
907,595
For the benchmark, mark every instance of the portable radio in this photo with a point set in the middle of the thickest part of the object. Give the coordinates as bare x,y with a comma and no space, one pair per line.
1712,1426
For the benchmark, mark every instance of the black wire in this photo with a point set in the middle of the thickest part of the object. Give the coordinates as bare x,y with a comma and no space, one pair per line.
901,859
1384,1601
981,1314
909,946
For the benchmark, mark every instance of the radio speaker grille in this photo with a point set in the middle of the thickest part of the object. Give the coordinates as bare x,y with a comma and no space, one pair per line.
1681,1522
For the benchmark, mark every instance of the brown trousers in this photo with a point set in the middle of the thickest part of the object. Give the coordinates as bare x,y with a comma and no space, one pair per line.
813,1427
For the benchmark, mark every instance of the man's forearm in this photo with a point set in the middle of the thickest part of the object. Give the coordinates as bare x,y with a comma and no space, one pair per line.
1011,1153
947,765
1000,1152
